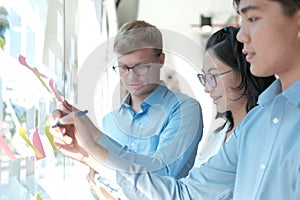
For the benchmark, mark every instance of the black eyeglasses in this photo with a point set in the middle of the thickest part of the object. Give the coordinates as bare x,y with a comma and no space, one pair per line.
210,78
139,69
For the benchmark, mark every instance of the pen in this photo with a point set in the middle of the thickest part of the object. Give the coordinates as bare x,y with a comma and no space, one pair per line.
79,113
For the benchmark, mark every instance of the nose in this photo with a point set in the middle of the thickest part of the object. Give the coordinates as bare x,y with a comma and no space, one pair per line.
242,35
208,88
130,74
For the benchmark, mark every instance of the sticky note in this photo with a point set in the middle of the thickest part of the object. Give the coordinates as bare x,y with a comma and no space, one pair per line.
38,144
51,84
22,132
40,79
22,60
50,137
4,146
37,197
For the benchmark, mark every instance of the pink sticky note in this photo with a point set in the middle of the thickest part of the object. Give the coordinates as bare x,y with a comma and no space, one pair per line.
4,146
22,60
38,144
51,84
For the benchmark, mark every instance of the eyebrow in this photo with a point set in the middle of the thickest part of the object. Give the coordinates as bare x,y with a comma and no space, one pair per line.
247,8
209,70
121,64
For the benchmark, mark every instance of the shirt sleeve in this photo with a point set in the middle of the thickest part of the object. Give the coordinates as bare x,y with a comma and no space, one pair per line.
212,180
184,130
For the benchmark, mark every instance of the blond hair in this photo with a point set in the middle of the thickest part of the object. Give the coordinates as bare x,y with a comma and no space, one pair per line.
138,34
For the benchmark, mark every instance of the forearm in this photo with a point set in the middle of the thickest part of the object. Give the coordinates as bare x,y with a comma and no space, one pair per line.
97,160
152,162
152,186
212,180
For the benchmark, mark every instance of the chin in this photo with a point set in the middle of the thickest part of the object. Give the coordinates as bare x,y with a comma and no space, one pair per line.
258,71
254,71
221,109
140,92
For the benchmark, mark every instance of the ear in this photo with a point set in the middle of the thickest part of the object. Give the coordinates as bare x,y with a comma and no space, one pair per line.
162,58
297,15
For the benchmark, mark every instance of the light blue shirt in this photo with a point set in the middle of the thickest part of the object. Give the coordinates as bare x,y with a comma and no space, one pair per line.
260,161
163,136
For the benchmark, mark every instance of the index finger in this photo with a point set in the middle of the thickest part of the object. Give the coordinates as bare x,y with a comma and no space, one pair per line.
66,107
57,114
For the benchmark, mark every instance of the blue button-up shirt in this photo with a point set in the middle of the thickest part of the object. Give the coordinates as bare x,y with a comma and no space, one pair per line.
260,161
163,136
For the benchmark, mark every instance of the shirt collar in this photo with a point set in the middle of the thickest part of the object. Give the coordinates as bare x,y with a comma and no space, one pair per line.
156,97
275,89
292,93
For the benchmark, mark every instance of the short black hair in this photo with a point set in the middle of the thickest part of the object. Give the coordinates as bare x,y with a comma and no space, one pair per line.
289,6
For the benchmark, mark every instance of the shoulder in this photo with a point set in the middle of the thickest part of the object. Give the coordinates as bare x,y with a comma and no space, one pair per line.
181,97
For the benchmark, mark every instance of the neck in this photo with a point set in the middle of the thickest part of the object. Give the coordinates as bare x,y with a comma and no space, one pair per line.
289,79
136,101
237,115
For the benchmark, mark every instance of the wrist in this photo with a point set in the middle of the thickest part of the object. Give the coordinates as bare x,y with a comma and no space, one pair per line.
96,155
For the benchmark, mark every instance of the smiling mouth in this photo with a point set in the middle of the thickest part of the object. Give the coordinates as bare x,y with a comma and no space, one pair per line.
137,85
216,98
249,56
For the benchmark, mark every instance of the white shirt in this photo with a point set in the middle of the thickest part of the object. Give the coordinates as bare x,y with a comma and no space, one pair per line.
212,145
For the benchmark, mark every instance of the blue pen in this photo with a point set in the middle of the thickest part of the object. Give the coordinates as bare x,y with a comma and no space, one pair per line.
79,113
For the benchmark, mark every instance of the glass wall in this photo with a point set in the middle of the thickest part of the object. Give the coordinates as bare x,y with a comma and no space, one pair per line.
43,44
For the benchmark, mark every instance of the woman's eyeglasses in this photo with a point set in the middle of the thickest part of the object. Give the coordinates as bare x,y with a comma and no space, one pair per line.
139,69
210,79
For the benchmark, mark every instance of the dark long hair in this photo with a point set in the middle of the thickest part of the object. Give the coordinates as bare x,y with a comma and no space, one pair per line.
227,49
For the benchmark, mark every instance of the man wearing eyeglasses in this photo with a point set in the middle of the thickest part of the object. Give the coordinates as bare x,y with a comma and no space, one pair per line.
155,126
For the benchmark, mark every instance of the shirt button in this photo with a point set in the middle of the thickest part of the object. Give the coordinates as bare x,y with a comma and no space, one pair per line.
275,120
263,166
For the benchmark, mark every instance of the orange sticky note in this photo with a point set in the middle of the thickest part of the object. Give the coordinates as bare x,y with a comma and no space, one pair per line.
4,146
38,144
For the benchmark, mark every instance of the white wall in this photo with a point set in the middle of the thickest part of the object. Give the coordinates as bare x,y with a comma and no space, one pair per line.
180,16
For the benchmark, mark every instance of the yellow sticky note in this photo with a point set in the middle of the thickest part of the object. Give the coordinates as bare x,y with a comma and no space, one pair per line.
50,137
37,197
35,70
2,42
22,132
